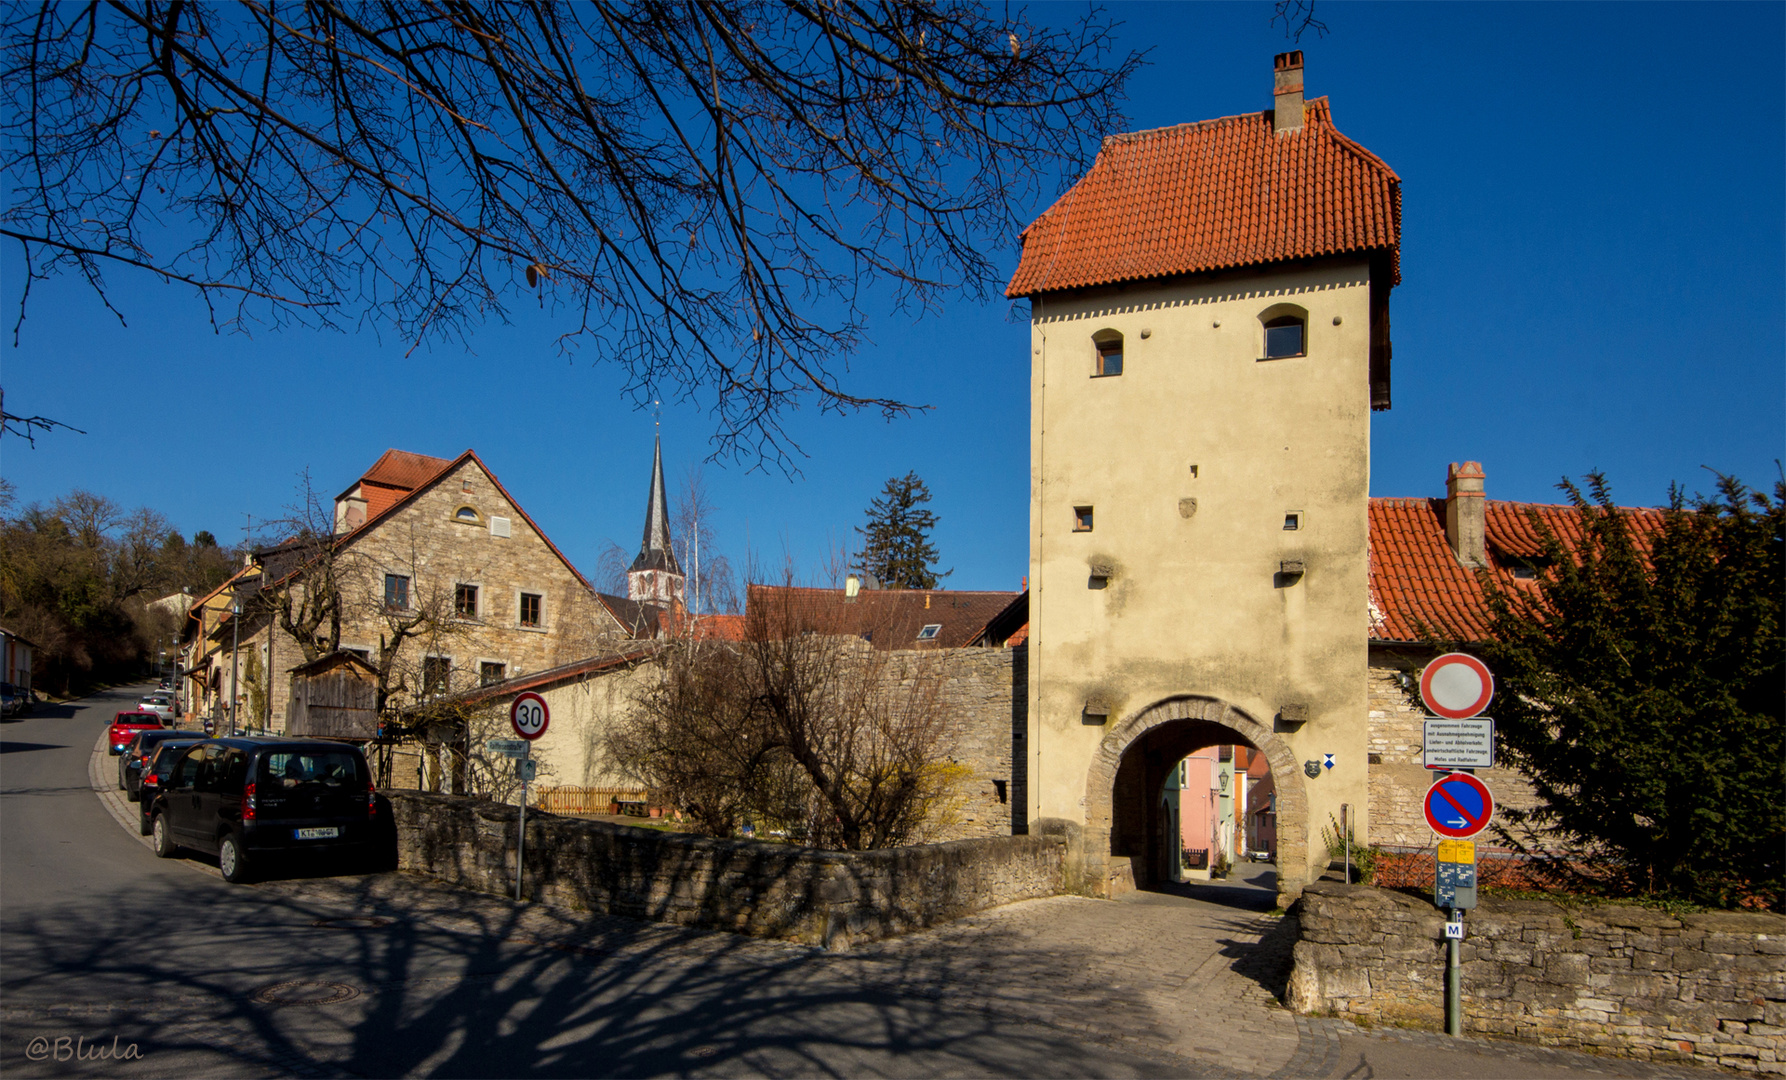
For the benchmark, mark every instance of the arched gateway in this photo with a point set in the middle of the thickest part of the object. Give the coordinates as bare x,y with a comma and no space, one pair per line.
1126,773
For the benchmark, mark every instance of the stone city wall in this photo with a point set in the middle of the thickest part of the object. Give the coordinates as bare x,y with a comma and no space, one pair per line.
1708,988
826,898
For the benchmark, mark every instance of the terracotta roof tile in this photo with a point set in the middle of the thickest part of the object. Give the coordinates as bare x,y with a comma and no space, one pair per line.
886,618
404,470
1211,196
1417,584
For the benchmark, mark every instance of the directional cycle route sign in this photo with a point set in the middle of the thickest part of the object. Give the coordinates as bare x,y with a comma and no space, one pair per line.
1458,806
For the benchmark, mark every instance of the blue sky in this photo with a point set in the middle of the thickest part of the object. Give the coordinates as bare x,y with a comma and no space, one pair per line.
1594,265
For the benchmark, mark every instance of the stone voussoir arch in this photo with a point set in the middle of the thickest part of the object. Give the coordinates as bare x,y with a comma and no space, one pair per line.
1292,796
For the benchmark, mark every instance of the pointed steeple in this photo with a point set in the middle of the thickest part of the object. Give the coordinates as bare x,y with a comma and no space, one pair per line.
654,576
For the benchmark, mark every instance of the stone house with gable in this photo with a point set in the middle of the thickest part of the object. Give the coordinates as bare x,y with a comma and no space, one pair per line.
436,543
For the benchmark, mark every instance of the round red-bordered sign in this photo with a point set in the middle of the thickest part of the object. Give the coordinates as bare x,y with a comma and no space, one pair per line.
1458,806
529,715
1456,686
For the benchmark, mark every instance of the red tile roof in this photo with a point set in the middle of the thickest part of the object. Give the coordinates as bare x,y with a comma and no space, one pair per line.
1210,196
1416,583
886,618
402,469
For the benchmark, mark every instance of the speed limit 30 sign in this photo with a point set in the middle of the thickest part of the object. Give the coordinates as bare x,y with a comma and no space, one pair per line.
529,715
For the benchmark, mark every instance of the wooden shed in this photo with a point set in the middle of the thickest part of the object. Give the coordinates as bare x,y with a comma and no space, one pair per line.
333,697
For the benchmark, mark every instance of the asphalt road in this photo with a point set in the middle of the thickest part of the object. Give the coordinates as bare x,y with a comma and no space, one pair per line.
105,950
116,963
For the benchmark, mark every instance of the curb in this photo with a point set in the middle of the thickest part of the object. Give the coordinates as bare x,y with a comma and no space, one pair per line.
106,788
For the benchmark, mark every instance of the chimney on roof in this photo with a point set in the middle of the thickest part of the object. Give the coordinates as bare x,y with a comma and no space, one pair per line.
1286,114
1466,513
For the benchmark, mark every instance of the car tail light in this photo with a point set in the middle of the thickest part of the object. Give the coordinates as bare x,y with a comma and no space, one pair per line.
248,802
150,780
371,799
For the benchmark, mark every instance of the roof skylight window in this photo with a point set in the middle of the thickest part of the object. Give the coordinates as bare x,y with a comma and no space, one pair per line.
930,632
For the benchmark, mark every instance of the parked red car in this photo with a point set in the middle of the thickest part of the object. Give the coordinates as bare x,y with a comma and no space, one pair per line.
126,724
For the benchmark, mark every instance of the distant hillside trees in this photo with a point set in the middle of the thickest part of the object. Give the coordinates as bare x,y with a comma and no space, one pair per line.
1640,691
76,578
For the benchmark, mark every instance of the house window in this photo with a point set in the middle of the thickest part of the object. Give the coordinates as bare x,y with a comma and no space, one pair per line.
437,674
930,632
465,601
468,515
363,654
1082,519
530,609
396,592
1284,337
1109,347
491,672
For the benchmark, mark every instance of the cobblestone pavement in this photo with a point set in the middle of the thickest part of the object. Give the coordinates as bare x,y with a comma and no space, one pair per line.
392,974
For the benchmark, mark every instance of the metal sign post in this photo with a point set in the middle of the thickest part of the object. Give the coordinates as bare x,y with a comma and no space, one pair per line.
529,716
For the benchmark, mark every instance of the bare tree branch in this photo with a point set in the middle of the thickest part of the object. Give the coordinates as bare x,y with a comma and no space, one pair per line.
710,192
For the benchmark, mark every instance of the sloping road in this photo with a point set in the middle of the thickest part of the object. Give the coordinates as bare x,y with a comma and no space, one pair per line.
104,948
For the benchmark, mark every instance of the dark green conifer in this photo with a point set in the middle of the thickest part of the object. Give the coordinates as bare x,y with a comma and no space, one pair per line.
896,545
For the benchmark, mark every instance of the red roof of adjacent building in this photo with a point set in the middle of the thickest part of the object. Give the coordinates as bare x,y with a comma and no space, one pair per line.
1211,196
395,475
885,618
1417,586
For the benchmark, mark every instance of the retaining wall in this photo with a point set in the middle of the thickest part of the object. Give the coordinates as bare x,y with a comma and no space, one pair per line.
826,898
1616,979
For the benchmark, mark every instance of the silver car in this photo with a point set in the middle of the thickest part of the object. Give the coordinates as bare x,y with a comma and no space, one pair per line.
161,705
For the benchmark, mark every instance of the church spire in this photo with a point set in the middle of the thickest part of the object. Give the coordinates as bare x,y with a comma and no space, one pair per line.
654,576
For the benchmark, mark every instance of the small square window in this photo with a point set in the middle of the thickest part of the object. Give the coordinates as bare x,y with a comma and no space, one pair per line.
465,601
1293,521
1109,358
1284,337
490,672
396,592
930,632
530,609
1082,519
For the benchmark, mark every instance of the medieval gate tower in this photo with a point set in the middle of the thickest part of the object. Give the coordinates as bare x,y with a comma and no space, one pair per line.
1209,335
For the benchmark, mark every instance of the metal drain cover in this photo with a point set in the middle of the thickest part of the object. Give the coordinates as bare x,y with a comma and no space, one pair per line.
355,922
301,992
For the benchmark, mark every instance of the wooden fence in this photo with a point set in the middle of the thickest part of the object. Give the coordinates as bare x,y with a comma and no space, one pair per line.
578,800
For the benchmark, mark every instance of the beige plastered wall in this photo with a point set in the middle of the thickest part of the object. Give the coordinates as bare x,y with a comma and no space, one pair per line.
1194,603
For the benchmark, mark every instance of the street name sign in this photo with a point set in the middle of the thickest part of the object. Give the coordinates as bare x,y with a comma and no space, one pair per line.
508,747
1459,744
1458,806
1456,686
529,715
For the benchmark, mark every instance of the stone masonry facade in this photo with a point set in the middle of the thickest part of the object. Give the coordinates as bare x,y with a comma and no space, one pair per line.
437,549
826,898
1708,988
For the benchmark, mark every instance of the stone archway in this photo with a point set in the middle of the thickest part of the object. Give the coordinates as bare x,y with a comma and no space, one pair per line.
1176,723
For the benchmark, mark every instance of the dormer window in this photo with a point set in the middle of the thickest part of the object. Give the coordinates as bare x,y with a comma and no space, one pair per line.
1109,349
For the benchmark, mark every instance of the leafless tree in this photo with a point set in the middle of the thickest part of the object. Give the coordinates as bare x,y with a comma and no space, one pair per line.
800,725
711,586
711,191
1298,17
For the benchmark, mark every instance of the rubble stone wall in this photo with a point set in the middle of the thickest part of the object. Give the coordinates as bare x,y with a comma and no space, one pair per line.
1710,988
825,898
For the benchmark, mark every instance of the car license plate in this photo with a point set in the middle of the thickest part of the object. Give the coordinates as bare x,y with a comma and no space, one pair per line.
317,834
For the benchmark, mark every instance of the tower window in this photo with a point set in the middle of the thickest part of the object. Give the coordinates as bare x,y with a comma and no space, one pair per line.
1293,521
1109,348
1285,336
1082,519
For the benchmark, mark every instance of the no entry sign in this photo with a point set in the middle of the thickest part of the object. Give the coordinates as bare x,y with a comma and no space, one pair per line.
1456,686
1458,806
529,715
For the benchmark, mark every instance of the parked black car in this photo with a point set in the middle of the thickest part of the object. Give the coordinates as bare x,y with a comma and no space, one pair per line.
155,772
252,800
136,753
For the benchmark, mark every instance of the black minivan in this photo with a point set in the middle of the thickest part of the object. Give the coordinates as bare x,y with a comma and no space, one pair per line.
248,799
